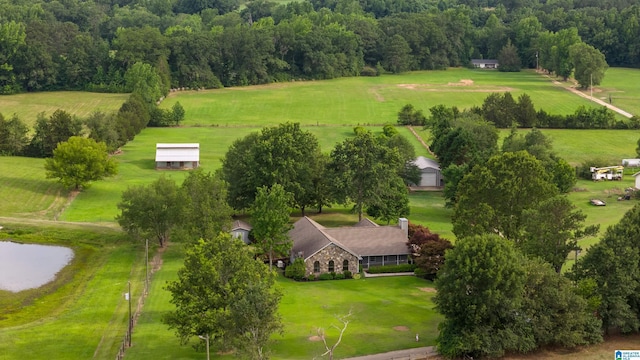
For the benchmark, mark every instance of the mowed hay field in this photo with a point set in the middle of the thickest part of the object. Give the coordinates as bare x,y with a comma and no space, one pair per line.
623,85
78,103
365,100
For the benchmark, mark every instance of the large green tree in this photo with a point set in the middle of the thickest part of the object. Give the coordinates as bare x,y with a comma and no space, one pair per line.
496,300
284,154
152,210
13,135
364,171
589,64
270,221
205,212
492,197
225,295
480,294
79,161
614,264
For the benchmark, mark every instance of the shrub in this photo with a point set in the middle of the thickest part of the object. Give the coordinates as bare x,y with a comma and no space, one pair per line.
339,276
325,276
356,276
347,274
391,269
369,71
311,277
296,270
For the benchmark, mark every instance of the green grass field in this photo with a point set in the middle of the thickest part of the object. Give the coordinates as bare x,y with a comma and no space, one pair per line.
364,100
622,85
378,306
82,314
86,317
79,103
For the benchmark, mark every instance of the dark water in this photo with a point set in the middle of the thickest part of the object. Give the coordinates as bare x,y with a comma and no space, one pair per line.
27,266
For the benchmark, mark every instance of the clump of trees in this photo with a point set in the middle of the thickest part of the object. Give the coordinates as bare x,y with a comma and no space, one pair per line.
365,170
79,161
408,115
496,300
226,296
428,250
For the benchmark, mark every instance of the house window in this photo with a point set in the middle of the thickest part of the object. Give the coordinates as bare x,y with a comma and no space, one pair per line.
345,265
316,267
331,266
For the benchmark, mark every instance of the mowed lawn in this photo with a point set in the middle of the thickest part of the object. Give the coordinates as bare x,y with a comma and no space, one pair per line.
364,100
378,305
25,192
623,86
80,103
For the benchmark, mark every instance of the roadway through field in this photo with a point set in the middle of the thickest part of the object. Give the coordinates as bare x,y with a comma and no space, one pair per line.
588,97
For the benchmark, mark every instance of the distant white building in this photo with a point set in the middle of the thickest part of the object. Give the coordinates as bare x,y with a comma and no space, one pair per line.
637,180
485,63
177,156
631,162
430,174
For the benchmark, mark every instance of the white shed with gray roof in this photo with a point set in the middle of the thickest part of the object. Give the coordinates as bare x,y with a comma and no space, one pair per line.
177,156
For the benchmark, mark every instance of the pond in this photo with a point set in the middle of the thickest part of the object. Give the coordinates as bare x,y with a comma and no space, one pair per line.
28,266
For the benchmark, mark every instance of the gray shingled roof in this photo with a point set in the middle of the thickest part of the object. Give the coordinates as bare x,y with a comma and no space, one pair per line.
309,237
366,223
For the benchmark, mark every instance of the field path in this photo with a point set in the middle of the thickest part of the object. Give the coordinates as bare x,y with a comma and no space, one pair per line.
408,354
112,226
588,97
420,139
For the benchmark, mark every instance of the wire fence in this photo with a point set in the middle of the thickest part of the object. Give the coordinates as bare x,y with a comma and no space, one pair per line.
135,314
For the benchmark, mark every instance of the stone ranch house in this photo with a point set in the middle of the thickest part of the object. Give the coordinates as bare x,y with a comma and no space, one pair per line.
326,250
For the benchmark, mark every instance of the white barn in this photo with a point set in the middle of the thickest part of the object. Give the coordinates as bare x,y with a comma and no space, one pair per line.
485,63
177,156
631,162
430,174
637,180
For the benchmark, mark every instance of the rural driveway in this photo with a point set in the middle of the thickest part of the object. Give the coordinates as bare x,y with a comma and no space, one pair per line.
408,354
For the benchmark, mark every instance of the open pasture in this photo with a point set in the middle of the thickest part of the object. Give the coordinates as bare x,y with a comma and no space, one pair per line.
378,306
623,86
79,103
364,100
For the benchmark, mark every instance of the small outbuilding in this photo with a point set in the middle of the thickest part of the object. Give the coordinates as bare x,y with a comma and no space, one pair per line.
637,180
177,156
240,230
485,63
430,174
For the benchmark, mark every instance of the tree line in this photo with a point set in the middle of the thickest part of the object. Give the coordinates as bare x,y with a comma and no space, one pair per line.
112,129
93,45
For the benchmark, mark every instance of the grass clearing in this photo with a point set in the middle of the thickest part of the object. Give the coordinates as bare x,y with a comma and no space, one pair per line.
364,100
378,305
79,103
621,85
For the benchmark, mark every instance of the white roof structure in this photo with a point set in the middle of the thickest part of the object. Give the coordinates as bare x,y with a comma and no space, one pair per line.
426,163
177,152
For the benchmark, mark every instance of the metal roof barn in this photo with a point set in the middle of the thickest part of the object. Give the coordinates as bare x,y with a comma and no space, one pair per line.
177,156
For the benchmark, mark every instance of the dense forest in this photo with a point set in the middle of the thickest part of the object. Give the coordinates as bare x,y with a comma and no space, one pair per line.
94,44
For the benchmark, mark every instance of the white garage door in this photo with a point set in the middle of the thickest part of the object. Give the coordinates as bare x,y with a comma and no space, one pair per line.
428,179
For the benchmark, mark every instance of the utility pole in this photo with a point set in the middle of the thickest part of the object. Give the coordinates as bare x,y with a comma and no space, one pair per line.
591,84
130,320
206,337
146,267
537,67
